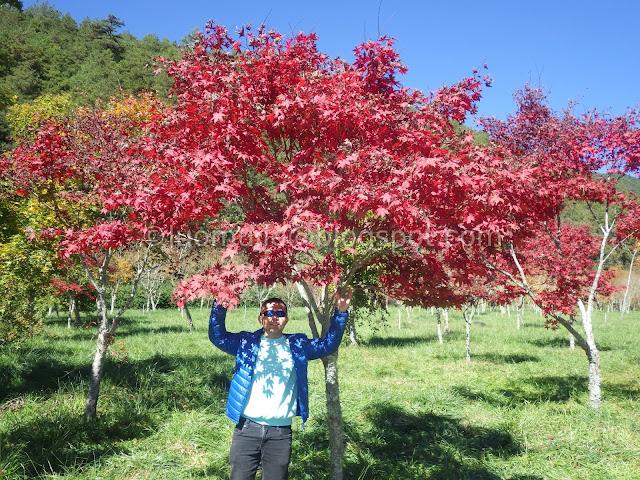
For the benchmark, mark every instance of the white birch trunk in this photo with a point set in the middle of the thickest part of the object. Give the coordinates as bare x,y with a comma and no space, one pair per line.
624,307
106,329
445,314
113,303
104,340
593,355
439,325
468,317
520,306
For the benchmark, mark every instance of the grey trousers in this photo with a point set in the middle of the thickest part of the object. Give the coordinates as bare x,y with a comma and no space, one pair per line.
253,443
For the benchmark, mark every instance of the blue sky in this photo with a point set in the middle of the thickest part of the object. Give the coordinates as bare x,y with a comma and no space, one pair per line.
586,51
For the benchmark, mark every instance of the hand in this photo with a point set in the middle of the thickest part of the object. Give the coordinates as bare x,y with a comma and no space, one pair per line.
343,299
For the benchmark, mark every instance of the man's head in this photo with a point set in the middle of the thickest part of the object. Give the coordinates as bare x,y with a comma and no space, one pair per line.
273,317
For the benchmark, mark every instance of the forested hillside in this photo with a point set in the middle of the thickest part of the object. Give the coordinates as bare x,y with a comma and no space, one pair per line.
45,51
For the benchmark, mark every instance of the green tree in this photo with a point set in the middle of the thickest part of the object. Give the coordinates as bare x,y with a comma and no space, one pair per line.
25,118
13,3
46,52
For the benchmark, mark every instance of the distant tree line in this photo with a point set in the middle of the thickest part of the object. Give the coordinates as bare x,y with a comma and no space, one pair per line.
43,51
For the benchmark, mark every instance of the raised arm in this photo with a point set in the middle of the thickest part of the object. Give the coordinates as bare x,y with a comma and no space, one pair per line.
225,341
321,347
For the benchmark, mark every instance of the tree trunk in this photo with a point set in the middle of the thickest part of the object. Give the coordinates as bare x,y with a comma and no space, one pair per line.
106,329
353,338
593,355
445,313
519,305
588,345
114,296
105,337
624,307
323,313
73,310
468,317
189,319
439,325
595,391
334,417
70,312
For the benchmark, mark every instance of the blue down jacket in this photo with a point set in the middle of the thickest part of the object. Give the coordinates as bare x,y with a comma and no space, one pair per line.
245,345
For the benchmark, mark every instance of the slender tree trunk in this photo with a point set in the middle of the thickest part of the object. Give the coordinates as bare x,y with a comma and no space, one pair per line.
595,391
114,296
519,305
353,337
76,311
445,314
106,329
105,337
593,355
468,312
624,307
70,312
309,306
334,417
189,319
73,310
438,311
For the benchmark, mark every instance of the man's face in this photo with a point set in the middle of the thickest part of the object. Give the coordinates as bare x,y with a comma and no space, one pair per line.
273,325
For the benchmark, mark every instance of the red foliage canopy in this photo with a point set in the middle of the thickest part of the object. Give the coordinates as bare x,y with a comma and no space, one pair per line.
337,167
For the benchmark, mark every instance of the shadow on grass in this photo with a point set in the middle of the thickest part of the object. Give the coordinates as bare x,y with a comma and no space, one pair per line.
175,382
38,371
400,445
136,397
624,392
54,442
391,341
137,329
532,390
546,389
500,358
489,398
562,342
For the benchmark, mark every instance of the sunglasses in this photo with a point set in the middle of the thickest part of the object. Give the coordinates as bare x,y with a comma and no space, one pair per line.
271,313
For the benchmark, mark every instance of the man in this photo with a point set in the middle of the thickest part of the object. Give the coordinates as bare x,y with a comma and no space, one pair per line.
270,386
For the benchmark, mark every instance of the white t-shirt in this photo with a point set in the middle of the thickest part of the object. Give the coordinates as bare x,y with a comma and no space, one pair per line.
273,395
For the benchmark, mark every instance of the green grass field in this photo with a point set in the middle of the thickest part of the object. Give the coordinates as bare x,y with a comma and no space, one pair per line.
414,409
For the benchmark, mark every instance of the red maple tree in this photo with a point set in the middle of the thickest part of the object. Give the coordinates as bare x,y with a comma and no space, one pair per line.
563,267
104,191
336,168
